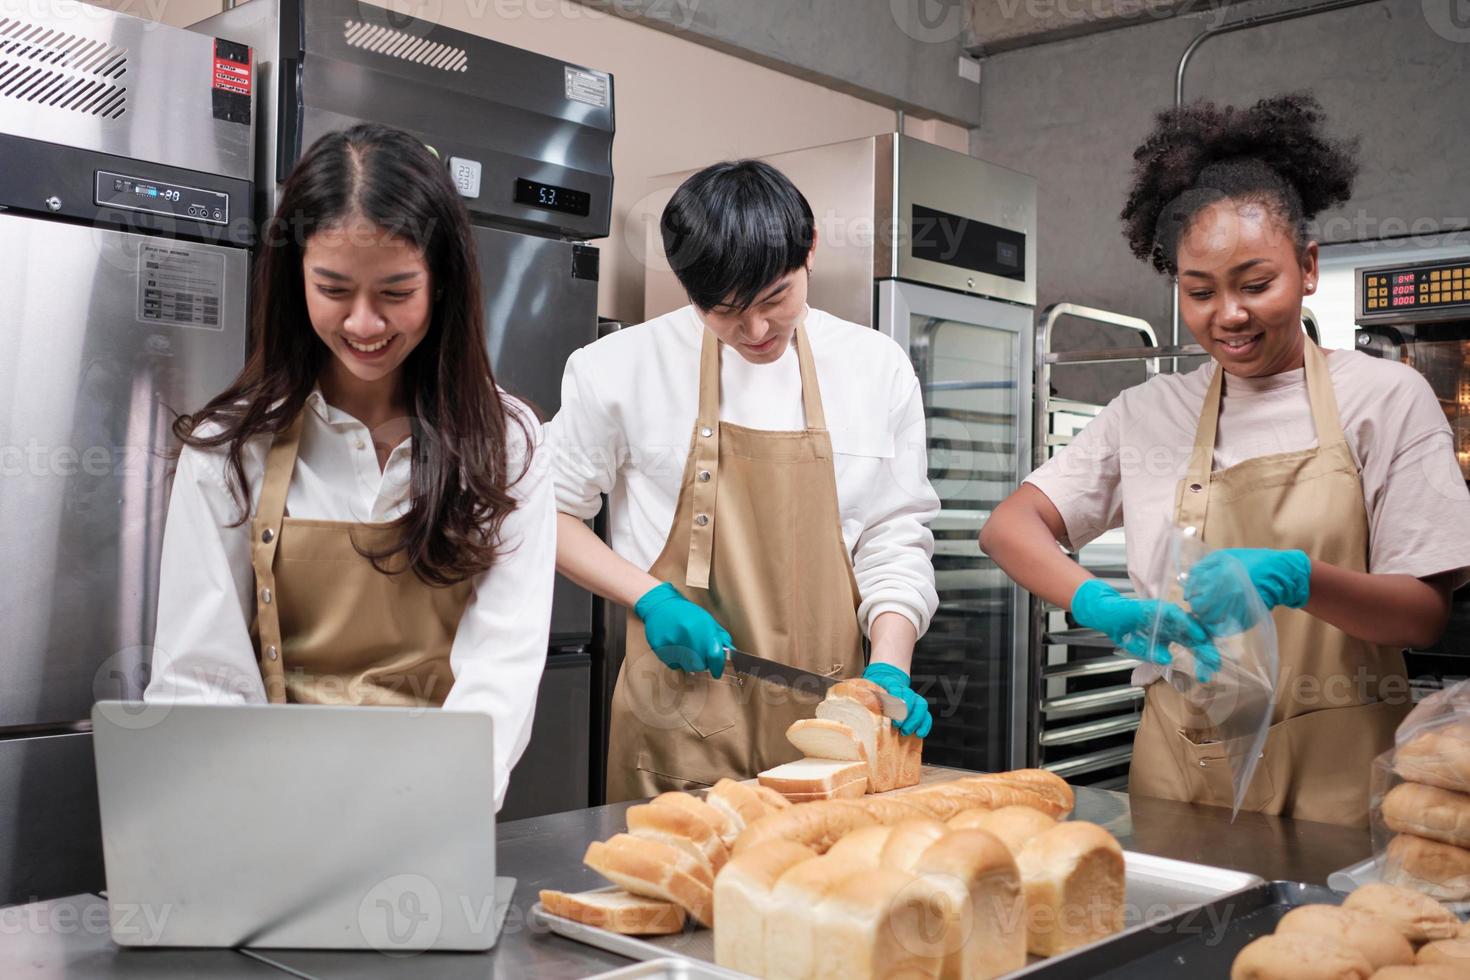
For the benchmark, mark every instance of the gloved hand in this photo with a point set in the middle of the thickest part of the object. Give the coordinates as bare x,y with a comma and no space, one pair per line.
896,682
1216,592
682,634
1129,623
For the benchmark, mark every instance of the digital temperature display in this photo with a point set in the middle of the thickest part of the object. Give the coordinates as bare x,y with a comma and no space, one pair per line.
1437,285
552,198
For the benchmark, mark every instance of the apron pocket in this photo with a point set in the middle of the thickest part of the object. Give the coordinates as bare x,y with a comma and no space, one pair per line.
1210,772
711,706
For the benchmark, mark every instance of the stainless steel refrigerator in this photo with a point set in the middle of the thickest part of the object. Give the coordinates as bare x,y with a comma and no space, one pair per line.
528,140
938,250
124,216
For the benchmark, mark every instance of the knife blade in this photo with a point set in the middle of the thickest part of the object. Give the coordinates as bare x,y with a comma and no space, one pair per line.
798,679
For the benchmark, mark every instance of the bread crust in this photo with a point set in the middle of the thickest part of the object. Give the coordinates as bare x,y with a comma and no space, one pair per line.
1417,916
1437,869
1438,757
1428,811
1299,957
640,916
1370,935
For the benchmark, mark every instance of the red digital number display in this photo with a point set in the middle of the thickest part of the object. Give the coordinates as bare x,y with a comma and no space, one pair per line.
1405,277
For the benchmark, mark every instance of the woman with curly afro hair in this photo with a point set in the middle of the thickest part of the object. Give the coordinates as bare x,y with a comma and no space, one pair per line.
1325,480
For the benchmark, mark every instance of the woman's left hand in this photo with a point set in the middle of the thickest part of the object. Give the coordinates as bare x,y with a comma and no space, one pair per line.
1216,592
896,682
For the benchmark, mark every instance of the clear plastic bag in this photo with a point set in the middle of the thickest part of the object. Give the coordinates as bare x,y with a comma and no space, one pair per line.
1231,705
1420,800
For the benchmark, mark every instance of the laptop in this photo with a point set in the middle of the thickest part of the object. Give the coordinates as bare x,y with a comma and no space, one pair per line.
298,826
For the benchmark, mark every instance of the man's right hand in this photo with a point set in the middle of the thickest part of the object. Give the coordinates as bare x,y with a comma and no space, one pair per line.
683,635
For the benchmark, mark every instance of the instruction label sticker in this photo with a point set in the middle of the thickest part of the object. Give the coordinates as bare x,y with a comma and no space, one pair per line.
181,286
591,87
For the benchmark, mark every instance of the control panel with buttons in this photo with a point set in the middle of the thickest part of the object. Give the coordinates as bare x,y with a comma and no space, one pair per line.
130,192
1412,288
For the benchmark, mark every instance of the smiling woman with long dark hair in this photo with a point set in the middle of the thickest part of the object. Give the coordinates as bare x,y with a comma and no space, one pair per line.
357,519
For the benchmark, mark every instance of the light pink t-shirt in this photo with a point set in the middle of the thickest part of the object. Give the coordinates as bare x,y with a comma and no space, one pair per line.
1124,468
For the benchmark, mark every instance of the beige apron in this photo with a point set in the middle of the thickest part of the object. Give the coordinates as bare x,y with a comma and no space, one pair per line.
1339,698
329,627
757,541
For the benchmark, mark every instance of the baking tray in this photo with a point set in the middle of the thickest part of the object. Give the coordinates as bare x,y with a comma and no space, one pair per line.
669,968
1156,889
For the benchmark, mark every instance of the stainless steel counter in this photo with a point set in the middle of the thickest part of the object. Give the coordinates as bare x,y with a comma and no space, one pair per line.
55,940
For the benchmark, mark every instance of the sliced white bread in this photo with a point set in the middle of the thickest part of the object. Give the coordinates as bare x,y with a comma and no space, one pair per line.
877,923
790,942
654,869
717,820
893,759
862,848
821,738
743,903
817,779
1072,875
816,825
1014,825
616,911
682,829
909,839
740,804
985,908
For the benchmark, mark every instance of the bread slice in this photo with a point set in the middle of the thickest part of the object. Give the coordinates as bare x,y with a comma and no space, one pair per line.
1309,957
743,902
817,779
677,826
1438,870
718,821
654,869
821,738
1420,918
1014,825
908,840
985,908
1381,943
893,759
789,924
1073,880
616,911
816,825
739,803
879,923
862,848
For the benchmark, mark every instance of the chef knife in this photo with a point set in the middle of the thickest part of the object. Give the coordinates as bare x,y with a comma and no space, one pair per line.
802,680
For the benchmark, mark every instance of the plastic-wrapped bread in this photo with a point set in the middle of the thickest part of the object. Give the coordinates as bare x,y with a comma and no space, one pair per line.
1299,957
1014,825
684,830
1417,916
1073,881
654,869
878,923
985,908
790,939
908,840
743,903
1438,756
815,825
806,780
616,911
1428,811
1381,943
893,759
1438,870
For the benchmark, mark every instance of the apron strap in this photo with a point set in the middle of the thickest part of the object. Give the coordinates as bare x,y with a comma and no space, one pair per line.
811,392
1325,416
265,535
1194,492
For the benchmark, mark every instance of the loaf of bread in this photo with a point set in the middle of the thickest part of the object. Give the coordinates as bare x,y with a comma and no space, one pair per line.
1058,796
889,810
790,939
878,923
1014,825
1428,811
861,848
740,804
1299,957
815,825
655,869
938,806
684,830
908,840
1447,952
1420,971
1418,917
893,759
1379,942
1438,870
984,905
717,820
743,903
806,780
1439,757
1072,876
616,911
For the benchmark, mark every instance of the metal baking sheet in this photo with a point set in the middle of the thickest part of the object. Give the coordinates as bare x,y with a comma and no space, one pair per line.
1155,889
669,968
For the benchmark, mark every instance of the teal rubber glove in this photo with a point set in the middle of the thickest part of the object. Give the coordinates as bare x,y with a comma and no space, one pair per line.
1215,588
1130,622
682,634
896,682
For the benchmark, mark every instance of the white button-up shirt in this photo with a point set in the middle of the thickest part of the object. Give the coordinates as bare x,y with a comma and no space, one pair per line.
206,603
629,403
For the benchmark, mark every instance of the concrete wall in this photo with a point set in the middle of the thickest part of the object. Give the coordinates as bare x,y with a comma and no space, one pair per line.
1395,73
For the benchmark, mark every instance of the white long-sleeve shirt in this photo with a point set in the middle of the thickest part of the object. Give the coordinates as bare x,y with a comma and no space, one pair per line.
629,403
206,598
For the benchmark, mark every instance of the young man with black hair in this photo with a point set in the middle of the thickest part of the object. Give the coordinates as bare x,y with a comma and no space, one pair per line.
767,471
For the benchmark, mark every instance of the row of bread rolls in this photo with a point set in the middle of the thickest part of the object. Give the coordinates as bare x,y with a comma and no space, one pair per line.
964,900
667,861
1430,814
1374,933
850,748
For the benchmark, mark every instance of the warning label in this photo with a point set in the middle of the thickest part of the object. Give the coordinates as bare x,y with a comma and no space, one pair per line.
231,67
180,285
590,87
